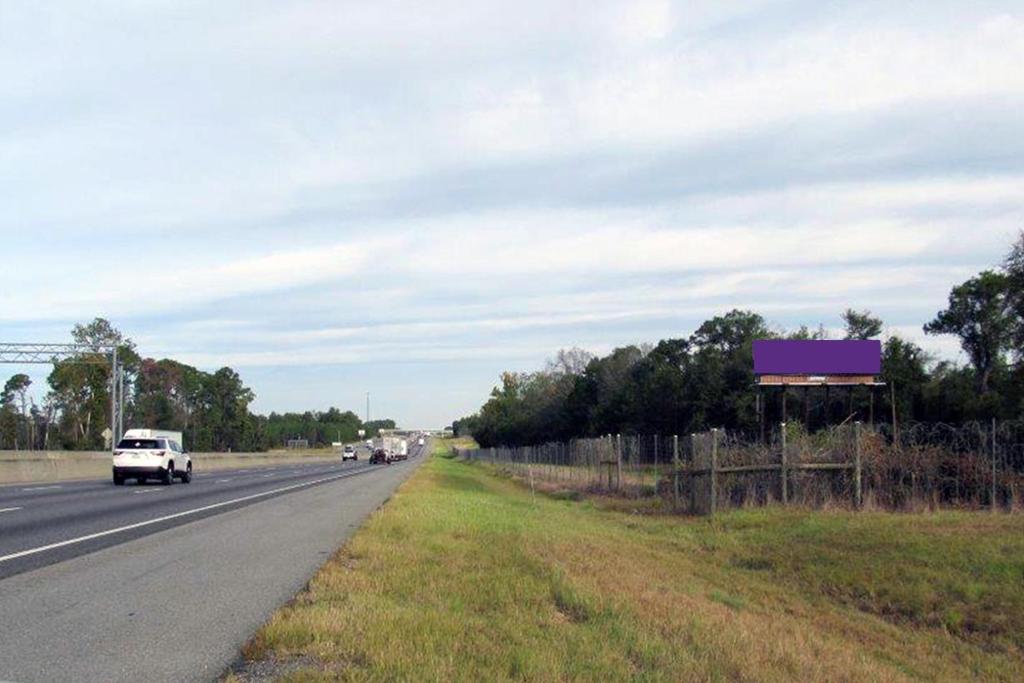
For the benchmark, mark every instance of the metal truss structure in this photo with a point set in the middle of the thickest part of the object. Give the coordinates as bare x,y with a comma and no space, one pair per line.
28,352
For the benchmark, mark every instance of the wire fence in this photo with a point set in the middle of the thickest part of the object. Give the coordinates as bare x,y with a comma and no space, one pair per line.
918,466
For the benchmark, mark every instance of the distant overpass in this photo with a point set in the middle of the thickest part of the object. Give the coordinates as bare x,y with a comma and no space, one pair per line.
411,432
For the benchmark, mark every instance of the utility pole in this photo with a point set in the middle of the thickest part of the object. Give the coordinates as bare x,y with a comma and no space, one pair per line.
367,406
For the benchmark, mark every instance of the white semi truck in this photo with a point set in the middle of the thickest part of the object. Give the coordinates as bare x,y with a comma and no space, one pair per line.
396,447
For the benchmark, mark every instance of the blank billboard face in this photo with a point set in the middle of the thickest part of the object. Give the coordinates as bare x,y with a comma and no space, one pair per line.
817,357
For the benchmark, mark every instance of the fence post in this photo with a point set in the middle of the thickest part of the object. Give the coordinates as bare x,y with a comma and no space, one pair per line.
675,469
656,477
693,463
858,492
993,464
618,462
785,468
529,469
714,470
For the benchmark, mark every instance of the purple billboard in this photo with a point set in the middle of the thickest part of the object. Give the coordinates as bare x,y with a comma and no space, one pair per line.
817,357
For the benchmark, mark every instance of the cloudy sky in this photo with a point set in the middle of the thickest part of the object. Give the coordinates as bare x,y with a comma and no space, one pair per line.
408,198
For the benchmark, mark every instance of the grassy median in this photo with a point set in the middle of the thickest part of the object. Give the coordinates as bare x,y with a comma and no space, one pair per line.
463,576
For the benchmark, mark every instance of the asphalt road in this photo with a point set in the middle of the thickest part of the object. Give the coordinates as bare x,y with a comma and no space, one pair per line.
159,583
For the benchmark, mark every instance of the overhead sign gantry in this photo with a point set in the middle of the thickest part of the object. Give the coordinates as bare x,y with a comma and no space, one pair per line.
99,354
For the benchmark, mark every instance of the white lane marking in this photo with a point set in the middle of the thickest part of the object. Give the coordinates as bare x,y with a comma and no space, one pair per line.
41,488
221,481
9,509
137,525
148,491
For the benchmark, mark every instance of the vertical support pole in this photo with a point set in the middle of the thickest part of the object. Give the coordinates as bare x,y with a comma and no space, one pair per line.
611,447
693,464
895,425
120,406
714,471
618,462
675,469
858,491
656,477
807,409
113,399
784,388
760,412
828,405
529,469
993,464
871,407
785,468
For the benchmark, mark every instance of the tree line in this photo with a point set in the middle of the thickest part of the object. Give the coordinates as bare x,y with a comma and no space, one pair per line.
211,409
690,384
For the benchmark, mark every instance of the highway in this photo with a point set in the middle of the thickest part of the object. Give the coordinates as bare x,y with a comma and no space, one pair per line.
156,582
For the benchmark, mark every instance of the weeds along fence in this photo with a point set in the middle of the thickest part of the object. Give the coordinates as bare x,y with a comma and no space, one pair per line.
918,466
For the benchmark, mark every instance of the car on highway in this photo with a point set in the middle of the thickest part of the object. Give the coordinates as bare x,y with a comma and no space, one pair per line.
151,454
380,457
420,442
349,453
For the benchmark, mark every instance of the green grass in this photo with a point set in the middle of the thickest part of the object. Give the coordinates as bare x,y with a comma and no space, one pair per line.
461,577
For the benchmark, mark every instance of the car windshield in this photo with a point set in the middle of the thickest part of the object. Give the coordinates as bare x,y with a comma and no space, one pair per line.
151,444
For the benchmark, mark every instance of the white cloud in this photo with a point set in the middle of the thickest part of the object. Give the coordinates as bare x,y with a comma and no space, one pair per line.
367,183
150,282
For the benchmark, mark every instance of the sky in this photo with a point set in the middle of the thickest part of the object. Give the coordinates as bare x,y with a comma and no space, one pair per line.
337,198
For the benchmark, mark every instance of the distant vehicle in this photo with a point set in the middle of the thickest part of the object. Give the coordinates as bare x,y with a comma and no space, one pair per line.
420,442
401,450
151,454
391,444
349,453
380,457
369,444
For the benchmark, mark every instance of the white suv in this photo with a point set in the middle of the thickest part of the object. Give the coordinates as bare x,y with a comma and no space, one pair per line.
349,453
155,457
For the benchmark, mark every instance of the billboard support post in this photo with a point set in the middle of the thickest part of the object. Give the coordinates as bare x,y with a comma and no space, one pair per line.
783,403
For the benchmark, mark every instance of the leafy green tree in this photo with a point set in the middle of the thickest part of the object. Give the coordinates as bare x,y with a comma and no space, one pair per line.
861,324
723,370
8,426
167,395
660,380
979,312
614,408
1014,268
905,372
373,427
804,332
225,423
15,398
81,391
